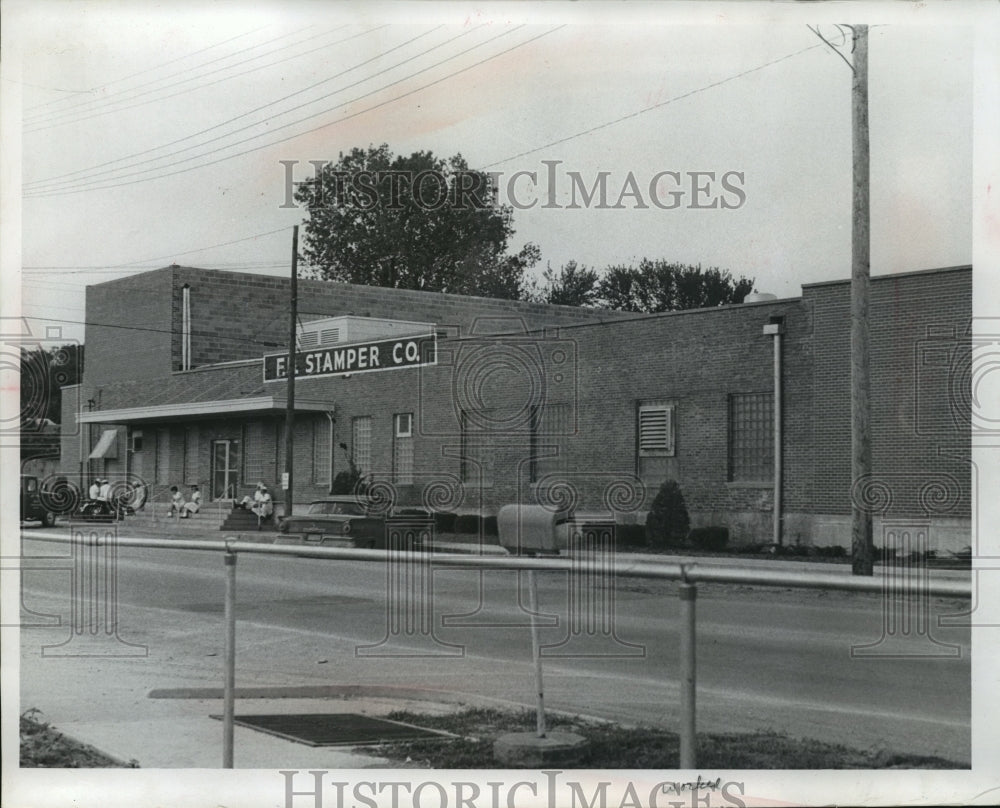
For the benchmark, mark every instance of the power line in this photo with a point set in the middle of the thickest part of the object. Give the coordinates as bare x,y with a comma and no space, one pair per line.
131,265
331,123
650,108
143,72
200,333
59,118
56,180
69,184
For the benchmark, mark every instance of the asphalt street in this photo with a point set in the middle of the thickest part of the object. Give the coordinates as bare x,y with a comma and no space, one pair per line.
767,658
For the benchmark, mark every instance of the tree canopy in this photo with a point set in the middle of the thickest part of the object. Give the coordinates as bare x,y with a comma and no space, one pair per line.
417,222
570,285
653,286
656,286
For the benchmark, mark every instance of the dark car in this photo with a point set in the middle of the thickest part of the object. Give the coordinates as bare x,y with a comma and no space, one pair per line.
34,506
334,522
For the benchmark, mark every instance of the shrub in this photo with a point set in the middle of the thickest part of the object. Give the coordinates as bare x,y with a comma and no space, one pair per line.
490,527
713,538
444,522
467,523
630,535
667,522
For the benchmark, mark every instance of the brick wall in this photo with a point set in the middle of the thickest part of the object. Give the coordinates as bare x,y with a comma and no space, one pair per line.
129,330
602,370
919,324
220,302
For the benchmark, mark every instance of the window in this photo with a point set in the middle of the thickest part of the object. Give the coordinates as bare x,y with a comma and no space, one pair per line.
136,440
162,456
655,426
191,455
751,437
404,424
402,448
321,451
550,424
361,441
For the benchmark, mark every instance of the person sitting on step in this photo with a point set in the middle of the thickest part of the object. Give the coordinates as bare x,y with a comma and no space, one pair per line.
192,507
176,501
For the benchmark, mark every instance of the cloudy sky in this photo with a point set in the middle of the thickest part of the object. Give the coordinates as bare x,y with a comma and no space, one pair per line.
150,137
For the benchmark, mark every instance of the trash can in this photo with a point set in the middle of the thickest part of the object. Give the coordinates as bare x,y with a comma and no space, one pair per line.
533,529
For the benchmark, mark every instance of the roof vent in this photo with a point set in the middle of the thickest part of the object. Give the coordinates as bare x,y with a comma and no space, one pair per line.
759,297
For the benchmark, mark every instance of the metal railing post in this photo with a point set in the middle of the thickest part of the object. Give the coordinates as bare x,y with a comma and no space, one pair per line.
536,655
688,595
229,683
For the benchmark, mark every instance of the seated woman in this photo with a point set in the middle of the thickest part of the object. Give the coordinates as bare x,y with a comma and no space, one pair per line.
263,505
192,507
176,501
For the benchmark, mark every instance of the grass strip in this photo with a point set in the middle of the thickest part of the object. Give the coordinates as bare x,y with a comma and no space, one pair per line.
44,747
615,747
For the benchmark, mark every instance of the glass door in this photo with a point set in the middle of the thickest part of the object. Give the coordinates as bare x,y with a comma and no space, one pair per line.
225,464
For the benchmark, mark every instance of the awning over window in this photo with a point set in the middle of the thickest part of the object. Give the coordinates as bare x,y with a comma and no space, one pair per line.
104,444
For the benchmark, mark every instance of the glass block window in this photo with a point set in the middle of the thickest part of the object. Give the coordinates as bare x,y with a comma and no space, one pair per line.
550,426
751,437
321,451
361,440
402,448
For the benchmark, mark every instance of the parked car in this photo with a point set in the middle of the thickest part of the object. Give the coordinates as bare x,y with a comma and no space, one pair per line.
336,521
33,506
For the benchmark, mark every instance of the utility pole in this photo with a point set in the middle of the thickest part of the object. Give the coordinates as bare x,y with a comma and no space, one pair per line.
861,450
862,551
290,402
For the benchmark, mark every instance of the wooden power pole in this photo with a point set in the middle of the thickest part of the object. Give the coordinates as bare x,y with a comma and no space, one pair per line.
861,451
290,403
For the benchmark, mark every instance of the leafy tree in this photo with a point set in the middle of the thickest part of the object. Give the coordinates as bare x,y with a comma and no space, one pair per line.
571,285
417,222
43,374
656,286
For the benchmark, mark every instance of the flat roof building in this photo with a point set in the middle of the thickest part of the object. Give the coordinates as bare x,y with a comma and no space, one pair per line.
465,404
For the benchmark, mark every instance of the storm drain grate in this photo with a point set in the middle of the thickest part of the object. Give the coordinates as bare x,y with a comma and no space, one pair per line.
337,729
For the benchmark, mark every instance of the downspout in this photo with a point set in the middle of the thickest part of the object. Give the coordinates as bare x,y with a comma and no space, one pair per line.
775,327
330,415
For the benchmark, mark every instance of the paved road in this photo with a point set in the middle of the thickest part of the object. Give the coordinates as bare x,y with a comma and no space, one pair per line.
766,658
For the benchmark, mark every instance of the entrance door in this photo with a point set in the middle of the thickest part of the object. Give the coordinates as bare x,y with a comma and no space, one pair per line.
225,463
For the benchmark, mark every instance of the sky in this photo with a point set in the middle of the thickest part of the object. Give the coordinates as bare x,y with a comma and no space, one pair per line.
151,137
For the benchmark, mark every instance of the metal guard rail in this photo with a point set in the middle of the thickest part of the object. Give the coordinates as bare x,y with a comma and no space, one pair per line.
688,574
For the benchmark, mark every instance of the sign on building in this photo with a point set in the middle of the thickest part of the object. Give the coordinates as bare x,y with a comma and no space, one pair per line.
361,357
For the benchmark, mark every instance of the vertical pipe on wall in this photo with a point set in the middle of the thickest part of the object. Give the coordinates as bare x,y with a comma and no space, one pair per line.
778,459
186,327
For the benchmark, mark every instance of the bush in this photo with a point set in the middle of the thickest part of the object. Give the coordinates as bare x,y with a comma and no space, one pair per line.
667,522
713,539
490,527
444,522
630,535
467,523
345,482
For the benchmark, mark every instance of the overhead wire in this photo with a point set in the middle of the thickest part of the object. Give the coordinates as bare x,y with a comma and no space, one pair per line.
325,125
85,181
146,70
64,177
34,126
651,107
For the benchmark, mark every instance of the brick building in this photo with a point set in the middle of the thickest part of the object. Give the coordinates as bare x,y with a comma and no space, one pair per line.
472,403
